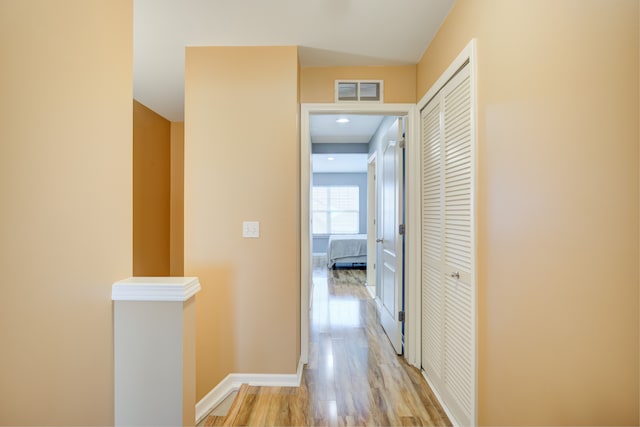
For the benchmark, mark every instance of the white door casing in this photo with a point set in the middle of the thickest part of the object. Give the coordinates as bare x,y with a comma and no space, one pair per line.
390,240
372,221
413,259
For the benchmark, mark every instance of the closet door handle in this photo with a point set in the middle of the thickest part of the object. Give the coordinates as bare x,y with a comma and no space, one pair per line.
455,274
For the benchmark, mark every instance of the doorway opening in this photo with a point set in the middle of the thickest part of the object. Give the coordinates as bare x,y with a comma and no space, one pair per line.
341,197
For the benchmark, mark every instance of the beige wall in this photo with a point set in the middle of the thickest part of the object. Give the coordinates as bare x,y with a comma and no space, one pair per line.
317,84
241,165
558,205
176,216
151,192
158,194
65,221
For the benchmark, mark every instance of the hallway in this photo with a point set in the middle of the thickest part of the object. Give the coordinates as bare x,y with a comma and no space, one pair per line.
353,376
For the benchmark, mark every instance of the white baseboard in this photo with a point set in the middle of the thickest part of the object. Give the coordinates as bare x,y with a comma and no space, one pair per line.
215,397
372,290
232,382
453,420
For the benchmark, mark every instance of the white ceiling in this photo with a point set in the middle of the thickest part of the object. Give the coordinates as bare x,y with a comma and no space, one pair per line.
339,163
324,128
329,33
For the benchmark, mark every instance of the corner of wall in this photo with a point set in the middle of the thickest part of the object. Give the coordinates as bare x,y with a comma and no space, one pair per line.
151,192
176,210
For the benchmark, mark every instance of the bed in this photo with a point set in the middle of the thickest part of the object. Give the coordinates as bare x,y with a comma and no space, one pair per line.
347,248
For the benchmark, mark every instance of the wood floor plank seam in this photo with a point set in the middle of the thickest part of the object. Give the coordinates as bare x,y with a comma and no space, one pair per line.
234,410
353,378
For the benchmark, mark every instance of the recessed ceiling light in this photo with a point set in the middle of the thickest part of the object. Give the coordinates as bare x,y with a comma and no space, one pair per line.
342,120
331,158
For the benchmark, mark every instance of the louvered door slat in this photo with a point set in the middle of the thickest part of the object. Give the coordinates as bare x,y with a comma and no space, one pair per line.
432,289
458,335
431,197
458,339
448,337
432,315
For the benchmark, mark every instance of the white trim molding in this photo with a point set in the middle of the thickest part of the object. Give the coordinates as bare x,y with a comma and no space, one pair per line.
155,289
446,409
232,382
216,396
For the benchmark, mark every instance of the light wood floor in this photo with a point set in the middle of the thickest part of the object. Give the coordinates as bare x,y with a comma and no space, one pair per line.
353,377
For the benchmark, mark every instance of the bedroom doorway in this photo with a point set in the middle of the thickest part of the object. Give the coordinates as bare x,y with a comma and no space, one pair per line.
340,147
328,208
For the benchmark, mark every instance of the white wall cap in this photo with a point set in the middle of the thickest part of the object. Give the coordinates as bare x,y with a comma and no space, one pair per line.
155,289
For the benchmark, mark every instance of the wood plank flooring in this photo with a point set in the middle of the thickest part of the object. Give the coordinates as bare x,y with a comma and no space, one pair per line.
353,377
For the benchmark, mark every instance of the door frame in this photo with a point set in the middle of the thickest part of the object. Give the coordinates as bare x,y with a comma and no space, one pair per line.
412,223
372,222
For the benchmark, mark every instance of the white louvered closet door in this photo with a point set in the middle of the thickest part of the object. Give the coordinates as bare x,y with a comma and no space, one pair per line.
432,225
448,270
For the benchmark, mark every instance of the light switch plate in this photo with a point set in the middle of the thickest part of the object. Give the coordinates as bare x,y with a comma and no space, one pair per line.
251,229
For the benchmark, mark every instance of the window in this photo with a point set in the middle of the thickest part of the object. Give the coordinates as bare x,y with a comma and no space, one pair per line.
336,210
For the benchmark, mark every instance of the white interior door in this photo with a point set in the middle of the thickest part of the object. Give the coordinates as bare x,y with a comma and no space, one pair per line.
390,241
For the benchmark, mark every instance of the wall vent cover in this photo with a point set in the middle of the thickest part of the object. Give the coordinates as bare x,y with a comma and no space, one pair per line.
358,91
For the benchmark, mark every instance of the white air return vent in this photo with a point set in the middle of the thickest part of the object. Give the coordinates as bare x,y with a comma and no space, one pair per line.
358,90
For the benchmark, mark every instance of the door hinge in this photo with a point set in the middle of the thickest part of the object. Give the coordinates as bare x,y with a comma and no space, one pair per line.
402,142
401,316
401,229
